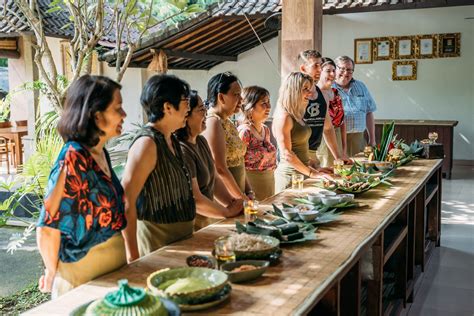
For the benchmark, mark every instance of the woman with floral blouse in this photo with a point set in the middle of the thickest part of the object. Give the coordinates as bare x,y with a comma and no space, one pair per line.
83,214
260,158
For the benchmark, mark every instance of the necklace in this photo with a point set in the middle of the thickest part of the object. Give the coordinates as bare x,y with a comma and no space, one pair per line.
101,161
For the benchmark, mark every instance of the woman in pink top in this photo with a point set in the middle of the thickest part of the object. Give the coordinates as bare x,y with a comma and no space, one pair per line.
260,158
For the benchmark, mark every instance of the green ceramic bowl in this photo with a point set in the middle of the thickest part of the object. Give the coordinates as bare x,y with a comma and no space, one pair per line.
205,283
244,276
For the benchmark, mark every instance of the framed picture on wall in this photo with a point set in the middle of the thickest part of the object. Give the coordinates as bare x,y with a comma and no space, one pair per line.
405,47
383,48
427,46
404,70
449,45
363,51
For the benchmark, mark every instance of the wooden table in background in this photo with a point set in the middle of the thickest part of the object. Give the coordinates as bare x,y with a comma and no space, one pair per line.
15,134
409,130
321,277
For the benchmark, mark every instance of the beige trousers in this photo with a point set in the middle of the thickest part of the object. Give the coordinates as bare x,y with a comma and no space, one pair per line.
355,143
101,259
152,236
326,159
262,183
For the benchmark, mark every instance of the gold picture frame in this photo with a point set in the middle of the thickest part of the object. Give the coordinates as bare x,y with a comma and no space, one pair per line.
383,48
405,47
404,70
427,46
363,51
96,67
449,45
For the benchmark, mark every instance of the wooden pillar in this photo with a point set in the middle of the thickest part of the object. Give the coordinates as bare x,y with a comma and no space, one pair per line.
301,29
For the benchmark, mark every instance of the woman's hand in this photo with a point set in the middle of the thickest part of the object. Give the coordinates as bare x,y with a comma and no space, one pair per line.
45,283
314,163
235,207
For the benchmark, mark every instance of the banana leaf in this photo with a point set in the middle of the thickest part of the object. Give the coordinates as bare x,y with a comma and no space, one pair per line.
385,139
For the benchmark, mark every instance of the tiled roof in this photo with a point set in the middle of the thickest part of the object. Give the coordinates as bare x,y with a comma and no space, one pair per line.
53,22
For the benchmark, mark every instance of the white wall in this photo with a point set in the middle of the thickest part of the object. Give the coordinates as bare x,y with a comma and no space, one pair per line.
252,68
444,87
443,90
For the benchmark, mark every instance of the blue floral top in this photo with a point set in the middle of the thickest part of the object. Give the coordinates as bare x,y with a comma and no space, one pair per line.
92,205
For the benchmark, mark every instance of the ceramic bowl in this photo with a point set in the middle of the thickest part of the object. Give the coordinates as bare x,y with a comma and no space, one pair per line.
308,216
330,200
200,261
384,165
273,245
346,197
327,193
158,282
301,208
289,212
315,198
243,276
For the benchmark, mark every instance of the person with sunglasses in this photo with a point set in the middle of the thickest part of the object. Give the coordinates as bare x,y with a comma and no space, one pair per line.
316,115
228,150
213,201
292,133
260,158
359,106
159,197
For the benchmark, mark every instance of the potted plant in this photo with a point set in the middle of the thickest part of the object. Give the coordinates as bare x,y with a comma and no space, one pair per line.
4,112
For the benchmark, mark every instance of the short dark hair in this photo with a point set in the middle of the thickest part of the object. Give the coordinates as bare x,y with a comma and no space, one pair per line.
250,96
219,83
327,61
85,97
160,89
306,55
183,132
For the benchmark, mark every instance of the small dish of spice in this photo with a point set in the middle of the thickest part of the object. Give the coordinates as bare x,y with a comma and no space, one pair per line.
201,261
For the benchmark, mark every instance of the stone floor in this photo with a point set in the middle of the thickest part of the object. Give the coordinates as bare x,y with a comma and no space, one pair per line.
447,286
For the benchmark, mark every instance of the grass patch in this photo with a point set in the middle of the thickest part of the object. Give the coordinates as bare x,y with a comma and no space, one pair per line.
23,300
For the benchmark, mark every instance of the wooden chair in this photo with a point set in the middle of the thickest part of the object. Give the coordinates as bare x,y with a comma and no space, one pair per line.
5,152
21,123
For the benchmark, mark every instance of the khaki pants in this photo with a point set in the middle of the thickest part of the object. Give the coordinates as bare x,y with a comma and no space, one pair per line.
262,183
152,236
324,155
239,175
101,259
355,143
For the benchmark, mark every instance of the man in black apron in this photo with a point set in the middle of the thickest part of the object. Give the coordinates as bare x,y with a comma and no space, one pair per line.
316,115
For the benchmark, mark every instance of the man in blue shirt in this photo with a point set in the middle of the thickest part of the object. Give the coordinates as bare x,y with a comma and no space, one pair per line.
358,106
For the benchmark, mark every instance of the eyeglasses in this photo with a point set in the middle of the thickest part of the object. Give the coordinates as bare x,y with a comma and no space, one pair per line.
348,70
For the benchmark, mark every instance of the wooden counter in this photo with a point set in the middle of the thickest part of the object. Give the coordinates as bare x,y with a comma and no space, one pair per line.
409,130
320,277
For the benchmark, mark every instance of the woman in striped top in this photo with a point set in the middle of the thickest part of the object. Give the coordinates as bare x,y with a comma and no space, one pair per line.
159,198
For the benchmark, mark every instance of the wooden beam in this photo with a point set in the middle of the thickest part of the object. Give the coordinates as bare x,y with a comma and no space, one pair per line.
301,30
6,53
197,56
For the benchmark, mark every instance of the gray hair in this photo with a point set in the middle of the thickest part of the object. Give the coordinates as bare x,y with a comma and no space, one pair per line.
343,59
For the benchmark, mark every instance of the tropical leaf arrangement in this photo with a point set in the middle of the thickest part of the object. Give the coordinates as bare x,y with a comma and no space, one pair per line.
326,214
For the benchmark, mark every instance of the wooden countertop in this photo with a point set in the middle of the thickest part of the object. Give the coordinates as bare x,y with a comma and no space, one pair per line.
305,272
417,122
